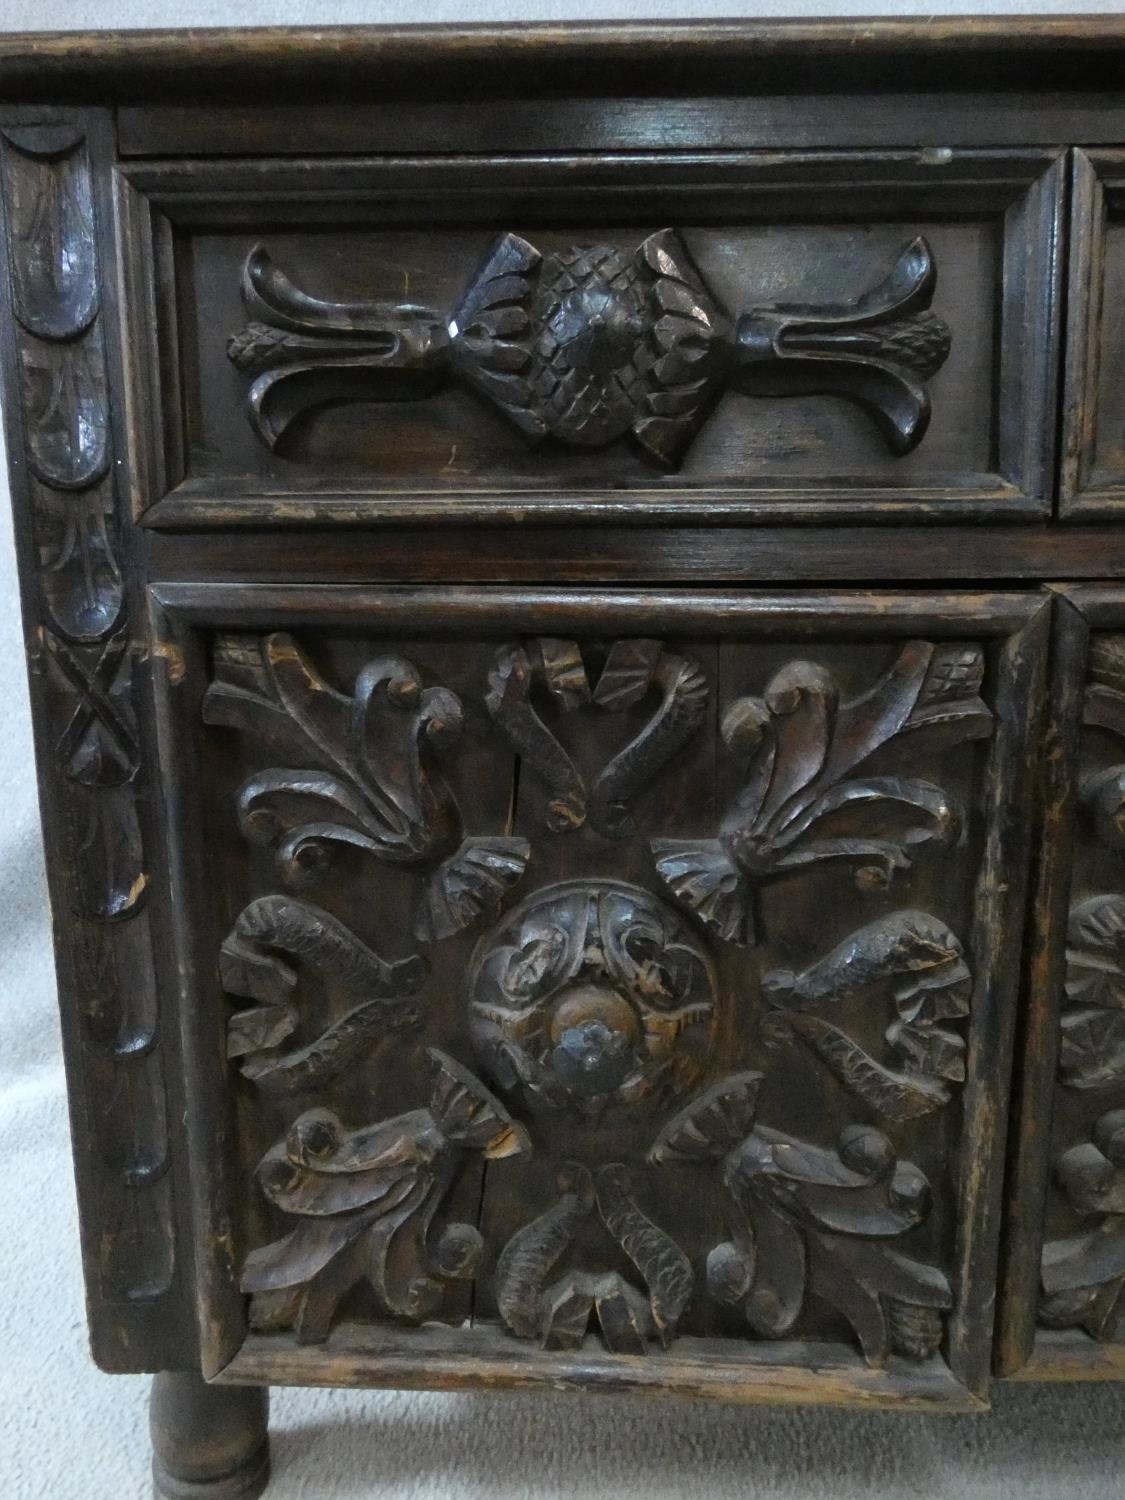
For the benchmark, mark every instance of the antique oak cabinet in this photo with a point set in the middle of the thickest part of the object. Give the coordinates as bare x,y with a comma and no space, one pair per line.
574,584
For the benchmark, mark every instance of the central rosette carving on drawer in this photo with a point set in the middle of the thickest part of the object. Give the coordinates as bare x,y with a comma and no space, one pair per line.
590,993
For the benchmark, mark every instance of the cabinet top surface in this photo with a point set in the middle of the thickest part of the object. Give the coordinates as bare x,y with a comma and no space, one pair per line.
965,53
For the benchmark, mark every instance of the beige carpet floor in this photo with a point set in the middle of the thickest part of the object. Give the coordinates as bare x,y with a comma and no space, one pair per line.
68,1432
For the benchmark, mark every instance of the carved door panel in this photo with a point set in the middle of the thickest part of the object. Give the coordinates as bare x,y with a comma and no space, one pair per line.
600,988
1064,1257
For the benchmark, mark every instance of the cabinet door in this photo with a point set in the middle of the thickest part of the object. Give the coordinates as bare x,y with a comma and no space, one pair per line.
1063,1315
599,989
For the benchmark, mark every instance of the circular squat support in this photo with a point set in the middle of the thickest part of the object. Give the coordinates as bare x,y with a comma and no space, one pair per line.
209,1442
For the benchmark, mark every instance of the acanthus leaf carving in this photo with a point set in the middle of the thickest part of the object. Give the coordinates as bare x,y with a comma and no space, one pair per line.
366,1200
632,670
805,752
258,962
921,962
1083,1275
559,1313
363,776
810,1219
591,343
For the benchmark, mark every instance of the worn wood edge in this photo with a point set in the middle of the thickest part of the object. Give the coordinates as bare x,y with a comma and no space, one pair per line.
441,1358
207,508
1036,1050
1069,1356
1082,319
451,609
207,1118
999,912
623,555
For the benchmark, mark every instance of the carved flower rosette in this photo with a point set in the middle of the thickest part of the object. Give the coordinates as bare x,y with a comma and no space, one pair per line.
607,1010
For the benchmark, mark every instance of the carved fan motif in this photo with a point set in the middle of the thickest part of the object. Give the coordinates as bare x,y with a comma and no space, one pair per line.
805,752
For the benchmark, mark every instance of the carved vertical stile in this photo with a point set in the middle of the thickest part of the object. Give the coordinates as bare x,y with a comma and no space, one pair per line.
86,670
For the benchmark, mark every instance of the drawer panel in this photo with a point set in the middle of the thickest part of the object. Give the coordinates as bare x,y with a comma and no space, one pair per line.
599,989
662,337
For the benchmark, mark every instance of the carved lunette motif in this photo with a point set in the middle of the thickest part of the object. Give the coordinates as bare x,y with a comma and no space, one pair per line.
359,771
83,656
810,1220
365,1201
589,344
806,753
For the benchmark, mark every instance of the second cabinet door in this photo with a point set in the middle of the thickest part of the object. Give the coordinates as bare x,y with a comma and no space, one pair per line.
616,987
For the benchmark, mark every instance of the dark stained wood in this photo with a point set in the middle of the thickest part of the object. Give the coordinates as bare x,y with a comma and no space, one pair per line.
577,647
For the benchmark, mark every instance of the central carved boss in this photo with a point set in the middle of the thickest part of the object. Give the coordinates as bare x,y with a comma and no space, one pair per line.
591,993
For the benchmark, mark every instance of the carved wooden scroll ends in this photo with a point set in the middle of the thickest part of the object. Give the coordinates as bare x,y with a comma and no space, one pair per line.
360,771
920,961
809,1220
592,343
805,754
634,671
366,1201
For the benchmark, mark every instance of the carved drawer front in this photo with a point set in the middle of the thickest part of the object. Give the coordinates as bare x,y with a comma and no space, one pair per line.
1093,457
1064,1308
599,989
704,338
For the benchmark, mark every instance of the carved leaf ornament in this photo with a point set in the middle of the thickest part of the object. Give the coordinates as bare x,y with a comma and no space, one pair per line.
594,343
593,994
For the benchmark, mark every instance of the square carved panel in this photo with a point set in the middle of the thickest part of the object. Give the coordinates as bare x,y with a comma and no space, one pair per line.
599,988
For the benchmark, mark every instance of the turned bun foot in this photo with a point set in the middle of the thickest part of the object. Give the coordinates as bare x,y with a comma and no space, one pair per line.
209,1442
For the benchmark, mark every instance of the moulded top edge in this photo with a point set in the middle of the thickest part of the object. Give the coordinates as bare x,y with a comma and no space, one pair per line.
964,53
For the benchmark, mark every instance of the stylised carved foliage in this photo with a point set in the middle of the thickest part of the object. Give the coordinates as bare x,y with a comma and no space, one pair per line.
592,993
589,344
259,960
360,773
1092,1041
805,753
83,659
810,1220
876,351
366,1201
558,1313
633,669
1084,1274
920,961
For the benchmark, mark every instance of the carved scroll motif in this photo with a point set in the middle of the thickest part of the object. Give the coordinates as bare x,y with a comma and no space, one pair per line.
809,1220
592,993
592,343
920,961
366,1201
633,670
1083,1274
559,1313
84,658
259,960
806,755
360,771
